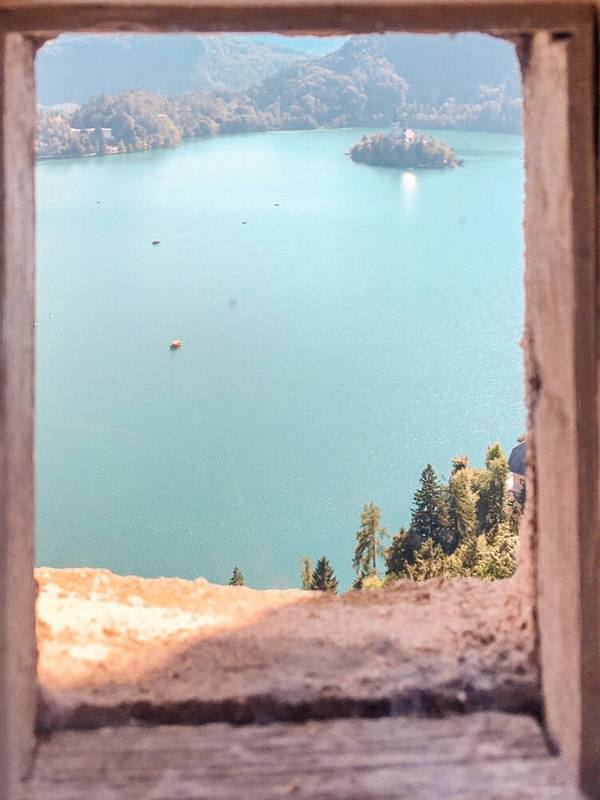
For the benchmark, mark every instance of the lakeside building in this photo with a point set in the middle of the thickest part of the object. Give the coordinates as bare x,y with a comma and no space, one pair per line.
106,132
517,465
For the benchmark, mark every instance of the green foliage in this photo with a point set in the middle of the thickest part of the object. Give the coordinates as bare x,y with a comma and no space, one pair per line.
372,582
498,559
323,577
516,506
306,570
494,452
475,557
368,543
492,504
468,527
430,562
237,579
459,463
399,553
467,557
461,508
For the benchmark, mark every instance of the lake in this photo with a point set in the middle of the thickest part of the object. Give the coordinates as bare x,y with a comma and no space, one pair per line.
342,326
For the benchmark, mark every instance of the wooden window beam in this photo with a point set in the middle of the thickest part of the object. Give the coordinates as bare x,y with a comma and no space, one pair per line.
323,17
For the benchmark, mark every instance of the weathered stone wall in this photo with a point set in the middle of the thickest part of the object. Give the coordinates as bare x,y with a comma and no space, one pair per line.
113,648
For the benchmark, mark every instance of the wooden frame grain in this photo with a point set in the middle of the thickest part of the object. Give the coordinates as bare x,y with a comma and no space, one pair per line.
17,287
558,46
562,357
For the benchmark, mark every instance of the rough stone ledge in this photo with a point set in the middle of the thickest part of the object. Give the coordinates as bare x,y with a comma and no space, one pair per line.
113,649
483,756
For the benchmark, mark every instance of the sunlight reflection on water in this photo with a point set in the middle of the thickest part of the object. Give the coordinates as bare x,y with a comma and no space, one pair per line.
409,183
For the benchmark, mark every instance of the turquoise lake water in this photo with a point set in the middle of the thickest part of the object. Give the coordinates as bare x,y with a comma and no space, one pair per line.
332,346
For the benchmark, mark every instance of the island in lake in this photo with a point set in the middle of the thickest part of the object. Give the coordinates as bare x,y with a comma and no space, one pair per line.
404,148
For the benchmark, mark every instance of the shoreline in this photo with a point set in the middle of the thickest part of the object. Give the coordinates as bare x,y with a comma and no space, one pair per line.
209,137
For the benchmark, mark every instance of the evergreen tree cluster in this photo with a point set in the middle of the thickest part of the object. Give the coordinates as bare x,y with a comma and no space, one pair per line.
465,527
468,526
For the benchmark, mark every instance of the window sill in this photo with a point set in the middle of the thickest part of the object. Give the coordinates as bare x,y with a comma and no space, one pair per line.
483,756
115,649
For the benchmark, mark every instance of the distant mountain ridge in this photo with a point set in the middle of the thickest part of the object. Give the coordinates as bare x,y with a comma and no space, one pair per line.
73,68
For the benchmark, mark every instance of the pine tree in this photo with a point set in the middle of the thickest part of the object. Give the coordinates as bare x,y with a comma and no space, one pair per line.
306,572
492,505
237,579
323,577
461,509
430,509
368,543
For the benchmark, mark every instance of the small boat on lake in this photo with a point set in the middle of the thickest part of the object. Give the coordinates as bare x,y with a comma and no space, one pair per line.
155,241
176,344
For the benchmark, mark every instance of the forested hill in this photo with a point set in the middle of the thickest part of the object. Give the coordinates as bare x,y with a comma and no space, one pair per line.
436,67
472,84
465,81
71,69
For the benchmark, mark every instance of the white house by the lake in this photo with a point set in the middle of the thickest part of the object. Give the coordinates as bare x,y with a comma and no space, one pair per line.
516,464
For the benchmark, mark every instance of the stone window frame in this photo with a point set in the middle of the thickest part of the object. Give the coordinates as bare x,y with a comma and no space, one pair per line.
557,44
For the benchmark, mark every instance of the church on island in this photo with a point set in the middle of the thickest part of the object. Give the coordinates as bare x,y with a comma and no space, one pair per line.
401,135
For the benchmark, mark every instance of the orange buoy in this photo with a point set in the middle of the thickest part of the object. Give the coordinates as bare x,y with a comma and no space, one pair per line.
176,344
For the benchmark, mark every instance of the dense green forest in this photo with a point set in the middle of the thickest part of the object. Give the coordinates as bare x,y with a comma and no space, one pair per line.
406,150
357,85
467,526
